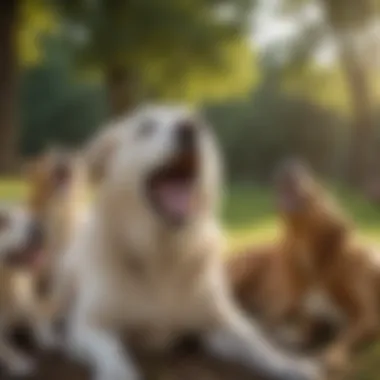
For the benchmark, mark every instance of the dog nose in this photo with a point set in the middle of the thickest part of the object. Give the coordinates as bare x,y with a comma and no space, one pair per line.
36,234
186,135
61,173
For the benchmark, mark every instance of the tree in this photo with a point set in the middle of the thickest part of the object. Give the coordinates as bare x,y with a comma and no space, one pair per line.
160,48
56,106
20,21
345,20
8,83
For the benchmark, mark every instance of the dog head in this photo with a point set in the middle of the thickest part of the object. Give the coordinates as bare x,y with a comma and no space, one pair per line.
308,209
51,175
163,161
296,191
21,238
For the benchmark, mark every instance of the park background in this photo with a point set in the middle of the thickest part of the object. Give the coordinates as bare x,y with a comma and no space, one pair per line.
276,78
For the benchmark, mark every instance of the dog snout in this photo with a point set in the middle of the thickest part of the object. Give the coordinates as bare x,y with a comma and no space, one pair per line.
36,234
61,173
186,135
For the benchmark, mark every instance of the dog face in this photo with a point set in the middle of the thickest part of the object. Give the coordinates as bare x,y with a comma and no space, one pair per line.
164,159
293,183
51,175
308,209
21,237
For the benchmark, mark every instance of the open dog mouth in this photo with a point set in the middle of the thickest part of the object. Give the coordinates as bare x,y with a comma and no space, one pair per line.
31,254
62,175
31,257
171,187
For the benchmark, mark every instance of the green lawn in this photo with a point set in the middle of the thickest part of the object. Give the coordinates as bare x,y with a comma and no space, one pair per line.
248,213
249,217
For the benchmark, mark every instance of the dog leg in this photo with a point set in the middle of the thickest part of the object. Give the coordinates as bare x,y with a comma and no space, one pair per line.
337,355
104,353
41,320
14,361
236,339
45,333
363,326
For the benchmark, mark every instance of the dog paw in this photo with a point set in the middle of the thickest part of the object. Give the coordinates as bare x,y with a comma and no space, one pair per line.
335,359
117,373
49,340
22,367
307,370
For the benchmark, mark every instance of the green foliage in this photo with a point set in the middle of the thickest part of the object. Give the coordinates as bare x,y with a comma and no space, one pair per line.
272,125
343,14
37,19
56,107
198,84
325,86
176,48
249,216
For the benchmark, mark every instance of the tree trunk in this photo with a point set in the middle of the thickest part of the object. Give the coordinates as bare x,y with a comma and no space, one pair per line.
362,136
8,86
123,92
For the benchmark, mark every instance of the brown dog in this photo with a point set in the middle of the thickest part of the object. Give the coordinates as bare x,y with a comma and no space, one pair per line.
319,267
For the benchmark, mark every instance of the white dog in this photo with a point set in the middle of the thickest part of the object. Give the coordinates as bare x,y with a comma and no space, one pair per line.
149,257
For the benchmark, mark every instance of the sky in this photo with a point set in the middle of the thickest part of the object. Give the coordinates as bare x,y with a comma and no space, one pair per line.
269,25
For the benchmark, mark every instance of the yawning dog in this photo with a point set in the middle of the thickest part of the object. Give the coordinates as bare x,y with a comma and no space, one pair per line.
149,259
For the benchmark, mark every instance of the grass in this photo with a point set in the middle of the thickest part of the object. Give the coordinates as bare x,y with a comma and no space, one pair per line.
12,190
249,216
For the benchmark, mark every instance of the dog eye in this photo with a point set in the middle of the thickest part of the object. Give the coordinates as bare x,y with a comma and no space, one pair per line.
146,128
4,220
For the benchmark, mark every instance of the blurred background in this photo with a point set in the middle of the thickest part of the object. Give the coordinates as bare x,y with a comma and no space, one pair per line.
276,78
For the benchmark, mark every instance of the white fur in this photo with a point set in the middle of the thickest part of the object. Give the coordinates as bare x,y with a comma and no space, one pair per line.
15,234
178,284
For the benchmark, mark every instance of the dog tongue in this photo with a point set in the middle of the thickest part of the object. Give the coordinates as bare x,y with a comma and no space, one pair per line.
38,259
34,259
176,198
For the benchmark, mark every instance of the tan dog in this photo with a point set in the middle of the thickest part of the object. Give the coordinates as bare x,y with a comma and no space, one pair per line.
21,243
58,195
31,240
320,267
148,260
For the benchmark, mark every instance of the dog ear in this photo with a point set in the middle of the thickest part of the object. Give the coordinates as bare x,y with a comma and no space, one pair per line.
334,235
4,219
98,152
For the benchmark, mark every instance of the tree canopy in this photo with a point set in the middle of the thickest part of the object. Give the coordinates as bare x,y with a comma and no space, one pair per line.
187,49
